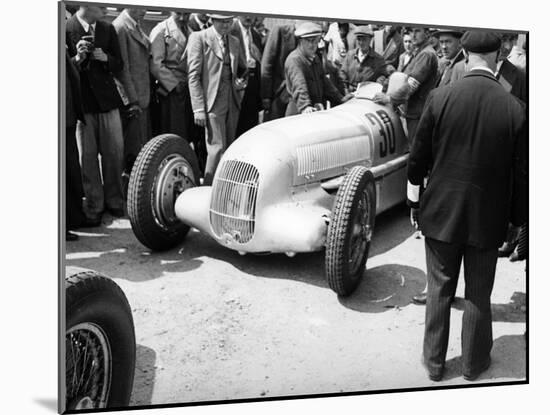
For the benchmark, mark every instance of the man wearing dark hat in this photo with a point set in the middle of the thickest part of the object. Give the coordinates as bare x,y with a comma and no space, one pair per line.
472,139
363,64
280,42
451,50
306,82
217,74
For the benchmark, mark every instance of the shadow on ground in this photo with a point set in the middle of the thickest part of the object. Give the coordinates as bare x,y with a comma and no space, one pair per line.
512,312
48,403
385,287
144,377
508,361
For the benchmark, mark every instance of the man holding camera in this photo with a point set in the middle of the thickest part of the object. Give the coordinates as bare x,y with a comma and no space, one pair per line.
94,46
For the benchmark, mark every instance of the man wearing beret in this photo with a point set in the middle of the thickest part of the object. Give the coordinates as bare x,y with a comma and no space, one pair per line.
217,74
451,50
472,139
306,81
509,76
280,42
363,64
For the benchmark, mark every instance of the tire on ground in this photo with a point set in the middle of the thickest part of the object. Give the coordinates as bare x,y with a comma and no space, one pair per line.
155,233
354,209
93,299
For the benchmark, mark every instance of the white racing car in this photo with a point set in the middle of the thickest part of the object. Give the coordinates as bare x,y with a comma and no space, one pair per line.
298,184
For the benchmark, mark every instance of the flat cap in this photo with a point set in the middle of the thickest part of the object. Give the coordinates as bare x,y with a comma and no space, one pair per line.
308,29
363,31
478,41
453,32
220,16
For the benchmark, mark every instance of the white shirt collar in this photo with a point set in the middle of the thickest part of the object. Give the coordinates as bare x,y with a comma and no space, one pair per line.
482,68
84,24
516,50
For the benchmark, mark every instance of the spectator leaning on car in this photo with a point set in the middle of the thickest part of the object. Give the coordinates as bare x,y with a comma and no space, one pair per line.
306,82
363,64
98,57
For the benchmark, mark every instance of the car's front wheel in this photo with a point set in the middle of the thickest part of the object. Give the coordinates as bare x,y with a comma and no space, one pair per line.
350,231
165,167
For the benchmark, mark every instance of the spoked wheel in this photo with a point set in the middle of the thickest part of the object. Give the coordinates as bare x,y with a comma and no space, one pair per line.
165,167
88,371
100,346
350,231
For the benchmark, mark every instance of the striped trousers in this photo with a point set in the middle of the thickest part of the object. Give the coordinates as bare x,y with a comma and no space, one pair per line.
443,262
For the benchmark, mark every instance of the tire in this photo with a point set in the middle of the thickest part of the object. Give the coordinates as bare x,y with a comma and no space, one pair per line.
352,222
154,187
99,324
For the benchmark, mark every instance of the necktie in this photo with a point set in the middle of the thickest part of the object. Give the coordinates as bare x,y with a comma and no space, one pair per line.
224,44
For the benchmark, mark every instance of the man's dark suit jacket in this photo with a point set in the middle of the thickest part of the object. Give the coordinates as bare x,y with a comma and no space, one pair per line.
280,42
515,78
253,87
472,135
99,92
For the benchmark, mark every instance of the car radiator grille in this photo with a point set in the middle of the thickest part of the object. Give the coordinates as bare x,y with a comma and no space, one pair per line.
233,205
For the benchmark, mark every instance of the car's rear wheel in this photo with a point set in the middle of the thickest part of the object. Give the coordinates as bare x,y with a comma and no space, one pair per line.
350,231
100,345
164,168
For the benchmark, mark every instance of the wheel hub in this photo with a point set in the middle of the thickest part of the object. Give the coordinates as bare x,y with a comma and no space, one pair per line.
174,176
85,403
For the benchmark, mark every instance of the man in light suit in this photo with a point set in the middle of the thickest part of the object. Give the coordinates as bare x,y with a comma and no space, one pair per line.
134,76
217,79
169,40
472,139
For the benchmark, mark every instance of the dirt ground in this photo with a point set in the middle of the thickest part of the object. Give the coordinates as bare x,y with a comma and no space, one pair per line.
214,325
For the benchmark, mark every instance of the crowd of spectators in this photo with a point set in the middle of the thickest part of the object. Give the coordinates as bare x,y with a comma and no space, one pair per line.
210,78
